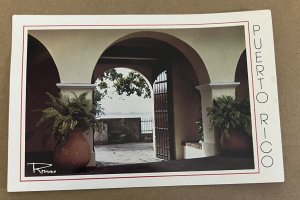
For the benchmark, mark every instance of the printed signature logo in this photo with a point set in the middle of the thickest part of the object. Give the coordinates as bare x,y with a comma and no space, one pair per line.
42,168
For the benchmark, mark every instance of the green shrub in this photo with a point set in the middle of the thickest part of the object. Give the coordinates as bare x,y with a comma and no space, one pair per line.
64,114
227,113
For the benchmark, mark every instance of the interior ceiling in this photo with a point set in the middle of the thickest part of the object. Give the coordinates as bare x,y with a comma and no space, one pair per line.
142,42
138,49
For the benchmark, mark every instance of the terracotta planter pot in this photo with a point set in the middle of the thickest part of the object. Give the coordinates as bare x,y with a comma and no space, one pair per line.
238,143
74,154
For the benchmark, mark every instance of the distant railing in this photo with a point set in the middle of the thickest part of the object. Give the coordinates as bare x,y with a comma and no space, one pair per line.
146,126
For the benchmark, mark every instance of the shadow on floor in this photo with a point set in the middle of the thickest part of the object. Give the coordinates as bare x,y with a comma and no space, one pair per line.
197,164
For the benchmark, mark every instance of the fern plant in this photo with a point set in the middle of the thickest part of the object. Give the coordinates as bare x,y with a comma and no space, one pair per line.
64,114
227,113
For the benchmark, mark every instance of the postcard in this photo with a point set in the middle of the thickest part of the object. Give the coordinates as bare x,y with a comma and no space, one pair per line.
118,101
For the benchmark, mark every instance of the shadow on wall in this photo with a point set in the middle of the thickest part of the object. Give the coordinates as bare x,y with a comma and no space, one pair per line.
42,76
241,76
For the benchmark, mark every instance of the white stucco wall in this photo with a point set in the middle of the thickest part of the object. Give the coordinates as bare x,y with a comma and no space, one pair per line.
186,105
76,52
208,93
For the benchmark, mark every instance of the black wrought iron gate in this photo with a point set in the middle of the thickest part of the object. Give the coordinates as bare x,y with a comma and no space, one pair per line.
163,117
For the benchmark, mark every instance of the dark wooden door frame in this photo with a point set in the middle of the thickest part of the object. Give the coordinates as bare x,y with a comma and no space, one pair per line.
165,144
171,113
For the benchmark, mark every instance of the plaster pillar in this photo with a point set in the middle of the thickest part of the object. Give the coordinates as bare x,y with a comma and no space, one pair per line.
79,88
208,92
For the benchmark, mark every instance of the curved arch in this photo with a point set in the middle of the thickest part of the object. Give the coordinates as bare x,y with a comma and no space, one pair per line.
187,68
123,106
44,52
144,77
42,76
39,58
191,55
98,72
241,76
130,68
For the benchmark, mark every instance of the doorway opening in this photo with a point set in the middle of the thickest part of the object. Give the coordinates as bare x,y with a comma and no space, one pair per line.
125,112
177,103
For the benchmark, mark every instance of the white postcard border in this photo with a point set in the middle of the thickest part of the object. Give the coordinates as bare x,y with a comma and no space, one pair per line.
21,24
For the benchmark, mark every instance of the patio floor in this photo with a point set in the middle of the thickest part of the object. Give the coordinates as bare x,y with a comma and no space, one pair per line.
197,164
123,154
140,160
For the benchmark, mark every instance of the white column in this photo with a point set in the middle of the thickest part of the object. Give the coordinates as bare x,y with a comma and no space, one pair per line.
79,88
208,93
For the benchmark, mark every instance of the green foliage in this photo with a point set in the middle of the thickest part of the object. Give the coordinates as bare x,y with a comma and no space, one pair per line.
200,129
133,83
62,115
227,113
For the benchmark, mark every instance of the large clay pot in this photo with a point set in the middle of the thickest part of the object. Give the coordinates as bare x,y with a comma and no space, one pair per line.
74,153
237,143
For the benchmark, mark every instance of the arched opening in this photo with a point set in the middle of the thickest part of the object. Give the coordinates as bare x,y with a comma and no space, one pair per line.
187,51
241,76
124,100
42,76
178,109
173,69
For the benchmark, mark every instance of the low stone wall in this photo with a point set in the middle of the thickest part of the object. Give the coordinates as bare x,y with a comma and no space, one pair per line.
101,134
146,137
119,130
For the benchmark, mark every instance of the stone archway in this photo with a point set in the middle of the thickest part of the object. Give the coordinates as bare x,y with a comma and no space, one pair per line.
127,121
42,76
76,52
189,53
151,56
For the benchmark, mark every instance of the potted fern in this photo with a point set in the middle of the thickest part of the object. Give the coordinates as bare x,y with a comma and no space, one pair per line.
233,120
68,119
